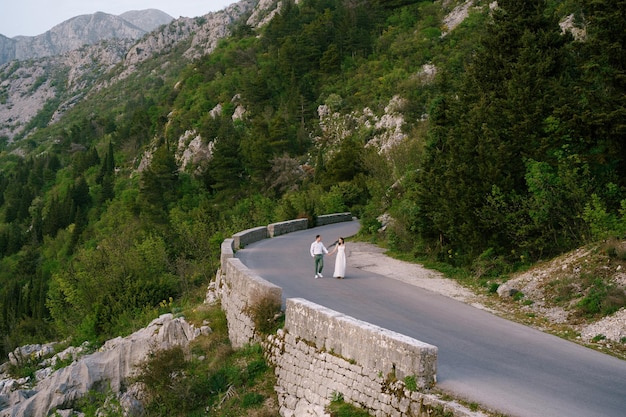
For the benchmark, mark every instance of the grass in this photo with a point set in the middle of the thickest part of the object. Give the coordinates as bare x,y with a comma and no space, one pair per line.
339,408
267,315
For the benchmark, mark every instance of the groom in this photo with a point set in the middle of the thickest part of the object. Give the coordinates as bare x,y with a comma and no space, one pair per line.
317,251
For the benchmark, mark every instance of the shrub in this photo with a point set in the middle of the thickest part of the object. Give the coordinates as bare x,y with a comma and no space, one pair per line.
615,249
602,298
252,399
255,369
100,404
266,314
410,383
490,265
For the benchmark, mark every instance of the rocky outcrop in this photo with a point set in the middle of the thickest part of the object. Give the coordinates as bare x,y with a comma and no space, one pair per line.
108,368
386,129
148,19
26,86
7,48
204,32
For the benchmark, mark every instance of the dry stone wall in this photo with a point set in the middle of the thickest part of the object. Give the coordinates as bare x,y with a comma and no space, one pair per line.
240,290
322,354
332,218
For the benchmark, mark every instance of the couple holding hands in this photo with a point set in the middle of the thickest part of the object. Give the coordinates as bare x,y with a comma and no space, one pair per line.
318,250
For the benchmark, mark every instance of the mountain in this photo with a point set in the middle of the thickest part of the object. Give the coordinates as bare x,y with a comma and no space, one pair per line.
82,30
55,83
148,19
7,49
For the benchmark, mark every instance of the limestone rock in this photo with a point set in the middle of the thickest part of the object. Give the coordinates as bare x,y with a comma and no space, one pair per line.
109,367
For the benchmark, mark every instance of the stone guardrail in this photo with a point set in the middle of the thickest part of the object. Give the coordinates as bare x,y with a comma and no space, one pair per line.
333,218
226,251
245,237
321,352
277,229
372,347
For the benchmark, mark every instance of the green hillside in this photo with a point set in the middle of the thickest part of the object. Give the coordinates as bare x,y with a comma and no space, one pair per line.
508,147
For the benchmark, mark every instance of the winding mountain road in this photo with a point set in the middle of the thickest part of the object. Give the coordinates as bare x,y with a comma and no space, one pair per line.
499,364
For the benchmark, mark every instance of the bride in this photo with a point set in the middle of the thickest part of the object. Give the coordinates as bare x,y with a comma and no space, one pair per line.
340,260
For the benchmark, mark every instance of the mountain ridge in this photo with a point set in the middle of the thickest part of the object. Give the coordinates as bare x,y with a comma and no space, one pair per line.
82,30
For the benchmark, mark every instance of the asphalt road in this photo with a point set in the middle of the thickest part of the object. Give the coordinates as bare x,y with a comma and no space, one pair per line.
499,364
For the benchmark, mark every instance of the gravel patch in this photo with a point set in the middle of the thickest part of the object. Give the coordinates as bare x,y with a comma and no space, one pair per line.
371,258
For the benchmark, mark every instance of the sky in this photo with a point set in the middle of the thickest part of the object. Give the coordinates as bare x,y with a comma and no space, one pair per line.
34,17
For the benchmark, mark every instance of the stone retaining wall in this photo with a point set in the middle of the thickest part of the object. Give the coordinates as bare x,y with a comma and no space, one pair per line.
322,354
240,291
227,251
242,239
372,347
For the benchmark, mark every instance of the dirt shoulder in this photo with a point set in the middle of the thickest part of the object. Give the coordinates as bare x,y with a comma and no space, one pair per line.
535,309
371,258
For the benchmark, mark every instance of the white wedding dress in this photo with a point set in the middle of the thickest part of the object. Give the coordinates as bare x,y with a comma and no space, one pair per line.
340,262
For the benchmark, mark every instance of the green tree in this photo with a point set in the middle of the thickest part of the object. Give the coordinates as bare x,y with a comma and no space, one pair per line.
159,182
132,272
225,174
598,116
482,140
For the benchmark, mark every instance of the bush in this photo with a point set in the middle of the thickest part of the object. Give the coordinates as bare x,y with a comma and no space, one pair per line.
251,399
100,404
602,299
490,265
216,380
266,314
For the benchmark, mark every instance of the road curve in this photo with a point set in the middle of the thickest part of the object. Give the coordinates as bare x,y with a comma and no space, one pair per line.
499,364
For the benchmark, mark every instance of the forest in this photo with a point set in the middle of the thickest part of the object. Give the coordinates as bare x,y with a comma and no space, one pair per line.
511,152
